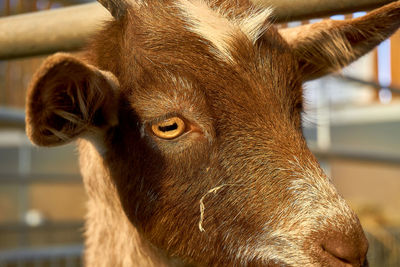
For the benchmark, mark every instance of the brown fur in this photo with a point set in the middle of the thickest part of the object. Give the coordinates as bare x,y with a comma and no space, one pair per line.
240,187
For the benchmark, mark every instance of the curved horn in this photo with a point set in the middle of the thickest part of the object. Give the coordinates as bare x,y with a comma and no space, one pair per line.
117,8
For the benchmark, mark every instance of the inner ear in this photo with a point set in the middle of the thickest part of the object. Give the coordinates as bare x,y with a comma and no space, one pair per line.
69,98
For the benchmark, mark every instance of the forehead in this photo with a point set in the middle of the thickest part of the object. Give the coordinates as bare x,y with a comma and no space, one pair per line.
196,26
221,47
221,25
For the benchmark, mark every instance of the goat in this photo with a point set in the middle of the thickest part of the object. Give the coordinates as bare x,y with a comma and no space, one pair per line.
187,115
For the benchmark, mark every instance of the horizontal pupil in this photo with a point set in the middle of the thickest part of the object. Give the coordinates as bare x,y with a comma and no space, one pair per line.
168,127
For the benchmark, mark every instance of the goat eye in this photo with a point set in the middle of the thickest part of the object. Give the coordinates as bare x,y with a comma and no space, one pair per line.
169,129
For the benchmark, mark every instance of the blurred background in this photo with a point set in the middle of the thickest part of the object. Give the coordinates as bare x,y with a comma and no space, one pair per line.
351,121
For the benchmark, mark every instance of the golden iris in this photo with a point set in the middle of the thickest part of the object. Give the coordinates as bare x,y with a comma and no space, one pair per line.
169,129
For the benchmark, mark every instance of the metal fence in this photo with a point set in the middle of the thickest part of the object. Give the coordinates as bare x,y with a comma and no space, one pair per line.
68,28
65,256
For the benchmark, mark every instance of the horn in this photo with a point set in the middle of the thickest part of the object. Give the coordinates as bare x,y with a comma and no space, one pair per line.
117,8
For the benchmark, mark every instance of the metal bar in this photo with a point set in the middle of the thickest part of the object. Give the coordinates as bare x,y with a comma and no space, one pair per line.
292,10
15,178
374,84
356,155
41,254
324,141
12,118
68,28
47,226
49,31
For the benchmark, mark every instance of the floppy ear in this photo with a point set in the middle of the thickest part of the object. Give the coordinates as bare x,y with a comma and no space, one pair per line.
69,98
329,45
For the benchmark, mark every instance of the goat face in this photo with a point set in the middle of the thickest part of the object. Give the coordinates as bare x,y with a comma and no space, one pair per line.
195,110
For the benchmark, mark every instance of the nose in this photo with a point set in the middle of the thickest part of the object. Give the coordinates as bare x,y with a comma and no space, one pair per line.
346,250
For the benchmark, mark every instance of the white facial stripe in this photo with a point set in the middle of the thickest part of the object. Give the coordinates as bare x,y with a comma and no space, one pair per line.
209,24
216,27
313,189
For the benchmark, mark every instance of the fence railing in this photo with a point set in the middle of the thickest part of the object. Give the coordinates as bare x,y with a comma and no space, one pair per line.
64,256
69,28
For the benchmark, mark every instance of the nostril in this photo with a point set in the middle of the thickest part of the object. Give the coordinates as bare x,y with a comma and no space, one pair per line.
338,253
346,251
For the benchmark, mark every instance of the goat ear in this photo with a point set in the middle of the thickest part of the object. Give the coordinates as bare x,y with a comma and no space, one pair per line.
329,45
67,99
